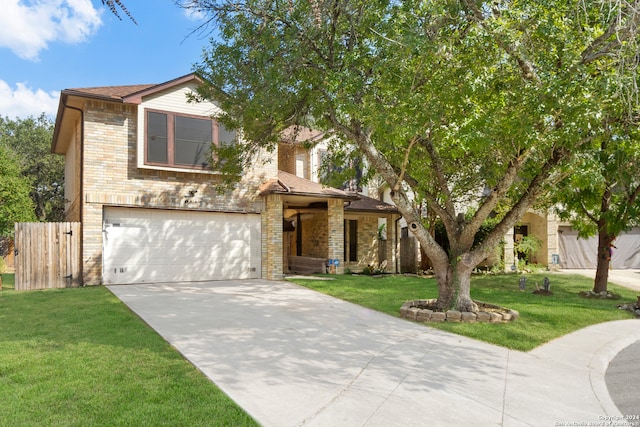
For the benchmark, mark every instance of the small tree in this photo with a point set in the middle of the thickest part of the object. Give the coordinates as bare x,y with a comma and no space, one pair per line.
602,195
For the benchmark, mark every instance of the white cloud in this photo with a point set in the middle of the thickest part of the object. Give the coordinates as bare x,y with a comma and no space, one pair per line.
27,27
23,101
195,14
192,11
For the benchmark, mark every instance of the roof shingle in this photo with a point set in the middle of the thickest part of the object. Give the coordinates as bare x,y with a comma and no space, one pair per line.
113,92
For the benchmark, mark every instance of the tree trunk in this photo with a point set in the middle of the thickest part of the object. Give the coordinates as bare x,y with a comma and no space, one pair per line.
464,302
446,287
454,288
605,250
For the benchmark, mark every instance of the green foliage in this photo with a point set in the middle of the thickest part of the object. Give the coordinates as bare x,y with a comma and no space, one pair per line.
528,245
79,357
15,203
602,190
457,104
29,141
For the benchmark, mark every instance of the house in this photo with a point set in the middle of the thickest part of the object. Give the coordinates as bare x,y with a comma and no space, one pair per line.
140,180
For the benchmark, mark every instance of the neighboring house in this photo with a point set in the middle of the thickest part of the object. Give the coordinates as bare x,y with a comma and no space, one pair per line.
138,177
561,247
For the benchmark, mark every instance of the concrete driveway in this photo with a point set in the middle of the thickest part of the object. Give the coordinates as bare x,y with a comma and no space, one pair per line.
291,356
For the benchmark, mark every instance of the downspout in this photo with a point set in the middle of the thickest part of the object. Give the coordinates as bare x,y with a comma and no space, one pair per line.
81,195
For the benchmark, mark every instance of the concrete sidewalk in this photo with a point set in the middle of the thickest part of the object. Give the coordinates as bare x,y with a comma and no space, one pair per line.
291,356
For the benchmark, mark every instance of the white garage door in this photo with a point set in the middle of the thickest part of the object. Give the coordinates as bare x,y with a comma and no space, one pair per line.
150,245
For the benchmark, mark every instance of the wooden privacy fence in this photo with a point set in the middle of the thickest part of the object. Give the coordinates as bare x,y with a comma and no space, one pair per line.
47,255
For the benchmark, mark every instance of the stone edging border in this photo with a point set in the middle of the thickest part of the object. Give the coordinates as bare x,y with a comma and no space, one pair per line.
410,311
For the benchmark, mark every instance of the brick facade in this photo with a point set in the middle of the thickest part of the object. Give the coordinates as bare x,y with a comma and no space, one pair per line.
111,178
102,133
272,245
335,224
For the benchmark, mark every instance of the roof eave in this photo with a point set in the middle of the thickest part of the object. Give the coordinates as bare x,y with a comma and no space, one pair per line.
305,194
136,97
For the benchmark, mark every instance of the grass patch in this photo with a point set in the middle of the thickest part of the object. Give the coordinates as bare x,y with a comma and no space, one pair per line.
8,281
78,357
542,318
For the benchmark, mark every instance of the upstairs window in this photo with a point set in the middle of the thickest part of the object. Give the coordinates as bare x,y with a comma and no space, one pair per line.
183,141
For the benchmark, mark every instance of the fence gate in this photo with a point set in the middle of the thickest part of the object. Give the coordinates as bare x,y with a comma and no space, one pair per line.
47,255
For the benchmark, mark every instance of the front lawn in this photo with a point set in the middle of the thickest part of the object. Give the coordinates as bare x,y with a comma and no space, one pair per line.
79,357
542,318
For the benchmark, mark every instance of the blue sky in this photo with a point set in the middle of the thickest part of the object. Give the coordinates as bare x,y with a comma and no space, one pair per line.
50,45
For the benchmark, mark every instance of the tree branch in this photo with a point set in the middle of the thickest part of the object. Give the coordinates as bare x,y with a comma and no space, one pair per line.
113,7
506,181
602,45
405,163
526,67
436,164
533,190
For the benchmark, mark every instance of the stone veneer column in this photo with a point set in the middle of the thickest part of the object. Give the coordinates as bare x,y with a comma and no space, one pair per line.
509,257
273,249
336,232
391,244
553,239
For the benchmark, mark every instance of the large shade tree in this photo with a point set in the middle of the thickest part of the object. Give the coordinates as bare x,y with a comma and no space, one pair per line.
473,107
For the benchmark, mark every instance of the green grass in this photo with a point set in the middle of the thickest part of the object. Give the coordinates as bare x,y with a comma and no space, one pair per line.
79,357
542,318
8,281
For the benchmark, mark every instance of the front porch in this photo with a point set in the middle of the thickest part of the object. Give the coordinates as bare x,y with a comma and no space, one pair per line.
323,229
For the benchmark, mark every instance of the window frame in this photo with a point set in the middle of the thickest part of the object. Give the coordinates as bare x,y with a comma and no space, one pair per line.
171,138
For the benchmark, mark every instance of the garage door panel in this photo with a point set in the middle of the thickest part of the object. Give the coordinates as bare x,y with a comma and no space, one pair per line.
145,245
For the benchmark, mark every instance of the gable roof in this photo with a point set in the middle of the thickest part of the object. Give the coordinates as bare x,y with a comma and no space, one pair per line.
367,204
290,184
131,94
116,93
70,100
300,134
